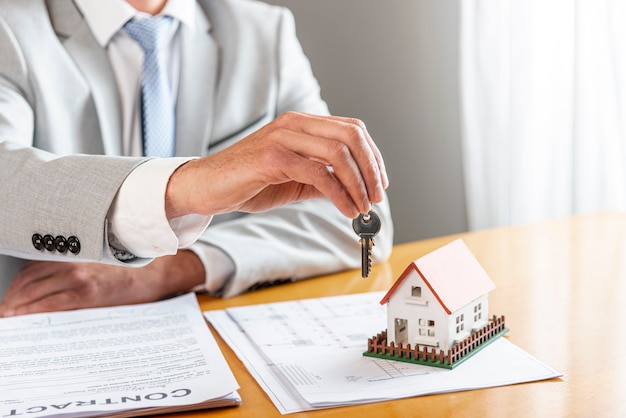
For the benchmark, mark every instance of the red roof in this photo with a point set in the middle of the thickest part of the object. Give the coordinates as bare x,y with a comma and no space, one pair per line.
453,275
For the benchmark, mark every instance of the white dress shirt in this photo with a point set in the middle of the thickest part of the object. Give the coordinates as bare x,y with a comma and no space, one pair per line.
137,218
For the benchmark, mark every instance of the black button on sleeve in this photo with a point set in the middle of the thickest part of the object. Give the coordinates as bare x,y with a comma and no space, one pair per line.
60,243
73,244
48,242
37,241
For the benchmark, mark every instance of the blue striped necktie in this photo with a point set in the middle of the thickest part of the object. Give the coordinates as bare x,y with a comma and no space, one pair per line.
157,107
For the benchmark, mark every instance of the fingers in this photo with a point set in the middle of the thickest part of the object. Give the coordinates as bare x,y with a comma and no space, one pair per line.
51,302
295,157
311,179
29,287
330,166
52,286
378,170
346,146
43,286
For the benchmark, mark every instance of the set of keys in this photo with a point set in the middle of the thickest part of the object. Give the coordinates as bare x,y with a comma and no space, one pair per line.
366,226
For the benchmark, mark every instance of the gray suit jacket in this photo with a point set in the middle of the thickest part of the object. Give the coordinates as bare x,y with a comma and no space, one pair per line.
60,136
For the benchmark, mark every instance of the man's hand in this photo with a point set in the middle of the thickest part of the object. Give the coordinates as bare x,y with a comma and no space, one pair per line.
295,157
43,286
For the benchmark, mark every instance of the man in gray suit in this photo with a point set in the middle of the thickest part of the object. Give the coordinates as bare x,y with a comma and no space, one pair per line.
76,187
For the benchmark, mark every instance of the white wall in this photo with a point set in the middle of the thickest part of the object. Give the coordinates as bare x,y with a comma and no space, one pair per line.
394,64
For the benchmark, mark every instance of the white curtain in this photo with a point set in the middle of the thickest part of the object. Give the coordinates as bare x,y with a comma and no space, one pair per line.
543,87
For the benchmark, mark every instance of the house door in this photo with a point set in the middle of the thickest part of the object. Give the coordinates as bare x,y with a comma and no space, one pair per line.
401,335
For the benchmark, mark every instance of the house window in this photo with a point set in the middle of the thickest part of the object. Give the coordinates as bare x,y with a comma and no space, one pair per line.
426,327
460,326
416,291
478,312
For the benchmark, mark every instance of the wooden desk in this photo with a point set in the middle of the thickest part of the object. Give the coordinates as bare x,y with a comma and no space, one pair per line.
561,286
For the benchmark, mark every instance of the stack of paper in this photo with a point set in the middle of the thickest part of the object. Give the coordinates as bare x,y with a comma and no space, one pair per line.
307,354
122,361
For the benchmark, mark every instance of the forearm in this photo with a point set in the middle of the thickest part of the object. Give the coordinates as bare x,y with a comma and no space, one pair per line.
178,273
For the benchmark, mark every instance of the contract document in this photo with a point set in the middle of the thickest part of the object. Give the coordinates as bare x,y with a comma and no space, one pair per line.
308,354
121,361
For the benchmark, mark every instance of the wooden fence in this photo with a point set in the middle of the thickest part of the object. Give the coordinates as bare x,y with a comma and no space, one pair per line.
378,345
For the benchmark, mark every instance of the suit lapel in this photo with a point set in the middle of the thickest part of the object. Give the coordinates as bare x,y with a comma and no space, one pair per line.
198,75
94,64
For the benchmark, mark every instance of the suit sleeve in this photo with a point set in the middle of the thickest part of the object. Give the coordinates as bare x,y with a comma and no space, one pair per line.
61,197
300,240
297,241
43,194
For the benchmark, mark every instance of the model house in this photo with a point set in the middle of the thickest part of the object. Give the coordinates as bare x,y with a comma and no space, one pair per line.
439,300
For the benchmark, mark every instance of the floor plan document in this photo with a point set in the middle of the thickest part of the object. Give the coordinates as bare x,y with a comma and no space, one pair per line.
307,354
120,361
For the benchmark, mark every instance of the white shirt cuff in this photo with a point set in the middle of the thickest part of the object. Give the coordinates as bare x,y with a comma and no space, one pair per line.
218,265
137,216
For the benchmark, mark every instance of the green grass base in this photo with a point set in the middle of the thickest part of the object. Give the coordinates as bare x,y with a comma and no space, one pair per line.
436,362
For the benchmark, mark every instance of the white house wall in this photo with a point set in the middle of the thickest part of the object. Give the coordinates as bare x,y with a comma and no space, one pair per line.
471,321
402,305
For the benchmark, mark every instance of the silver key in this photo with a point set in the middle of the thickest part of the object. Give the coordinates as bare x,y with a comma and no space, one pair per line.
366,227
